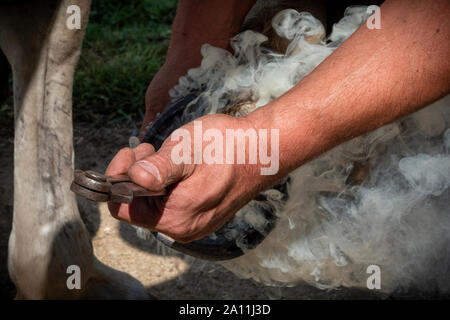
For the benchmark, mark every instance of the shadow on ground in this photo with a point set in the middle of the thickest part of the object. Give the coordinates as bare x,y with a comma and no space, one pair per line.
165,275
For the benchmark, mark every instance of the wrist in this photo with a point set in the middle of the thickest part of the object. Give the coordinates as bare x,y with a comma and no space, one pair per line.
302,133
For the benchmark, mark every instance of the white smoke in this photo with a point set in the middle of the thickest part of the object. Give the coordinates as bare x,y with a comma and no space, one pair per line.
331,230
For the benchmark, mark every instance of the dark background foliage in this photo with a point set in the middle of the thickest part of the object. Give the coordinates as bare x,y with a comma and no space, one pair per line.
125,45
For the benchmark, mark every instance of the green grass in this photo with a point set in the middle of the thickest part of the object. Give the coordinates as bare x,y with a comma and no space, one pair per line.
125,45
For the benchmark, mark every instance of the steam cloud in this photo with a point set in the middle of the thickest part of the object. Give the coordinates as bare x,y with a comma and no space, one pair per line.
380,199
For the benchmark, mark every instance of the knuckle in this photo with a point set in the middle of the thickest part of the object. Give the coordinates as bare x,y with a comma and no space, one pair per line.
140,175
143,150
178,232
119,162
183,232
124,151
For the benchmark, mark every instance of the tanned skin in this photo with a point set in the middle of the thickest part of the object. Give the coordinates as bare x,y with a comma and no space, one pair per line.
374,78
196,23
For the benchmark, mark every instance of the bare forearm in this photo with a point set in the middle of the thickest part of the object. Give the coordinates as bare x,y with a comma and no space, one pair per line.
199,22
196,23
375,77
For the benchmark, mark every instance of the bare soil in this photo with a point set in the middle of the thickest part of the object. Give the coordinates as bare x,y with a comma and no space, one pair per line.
166,275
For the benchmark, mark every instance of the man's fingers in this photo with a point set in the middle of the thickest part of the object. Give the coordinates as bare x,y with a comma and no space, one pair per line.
141,212
126,157
143,150
121,162
156,171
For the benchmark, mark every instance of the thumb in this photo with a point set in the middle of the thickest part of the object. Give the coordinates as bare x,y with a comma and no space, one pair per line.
156,171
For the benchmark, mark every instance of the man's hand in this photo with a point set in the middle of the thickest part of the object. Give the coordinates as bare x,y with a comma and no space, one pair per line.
374,78
223,18
157,94
201,198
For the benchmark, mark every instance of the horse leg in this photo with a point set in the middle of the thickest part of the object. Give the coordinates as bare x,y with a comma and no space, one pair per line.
48,234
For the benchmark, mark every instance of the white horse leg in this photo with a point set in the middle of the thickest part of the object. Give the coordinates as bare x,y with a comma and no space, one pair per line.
48,234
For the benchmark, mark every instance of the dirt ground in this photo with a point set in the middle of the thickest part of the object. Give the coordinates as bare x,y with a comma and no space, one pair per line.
165,275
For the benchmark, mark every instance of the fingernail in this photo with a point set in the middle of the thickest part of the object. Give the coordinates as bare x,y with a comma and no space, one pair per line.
150,168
